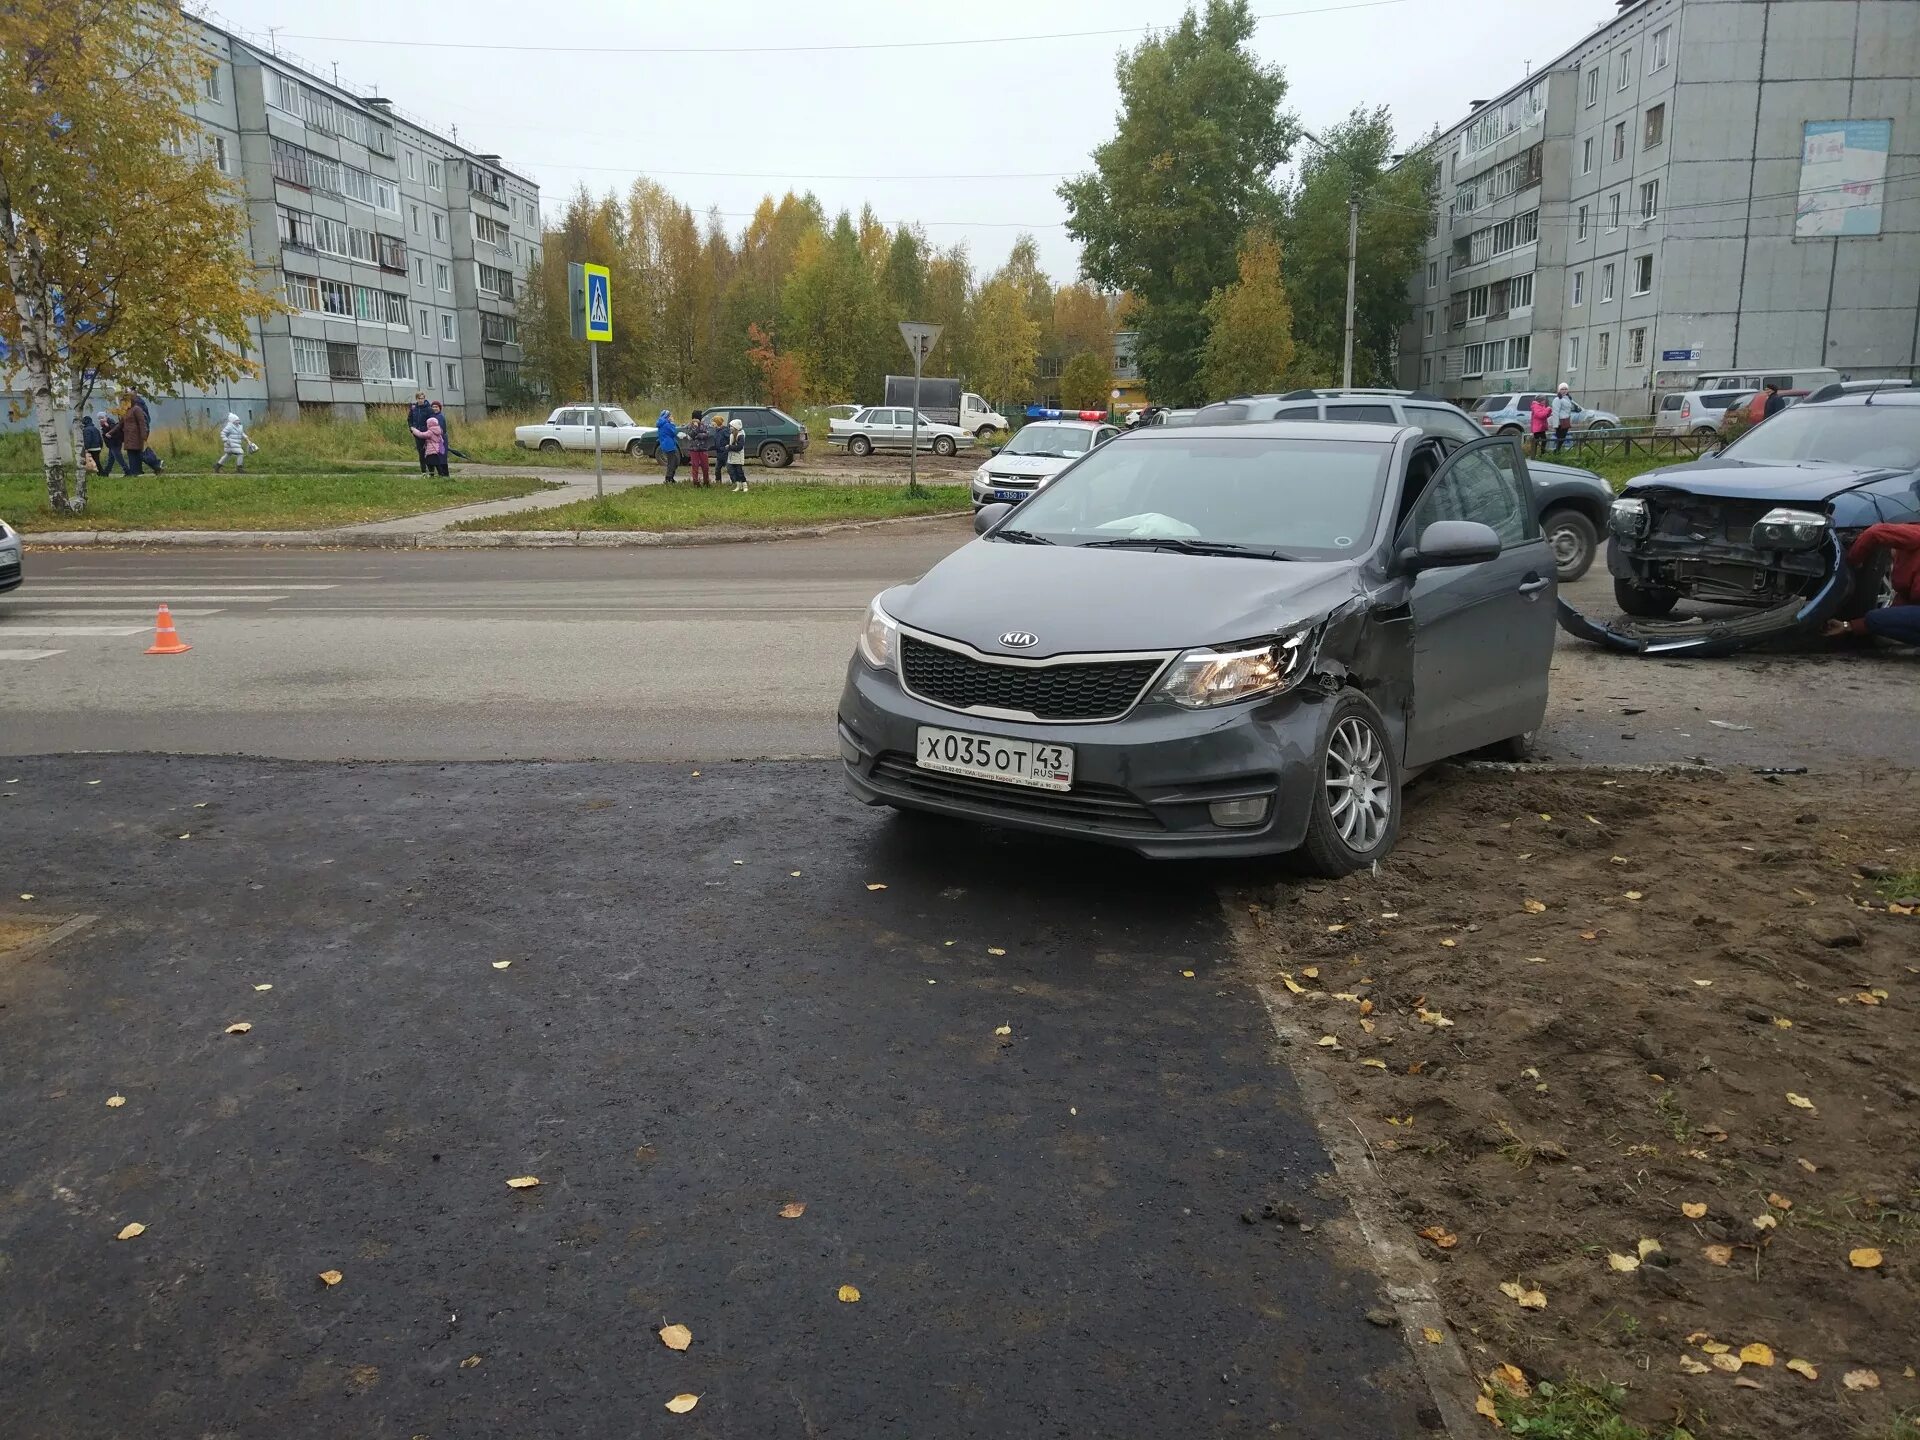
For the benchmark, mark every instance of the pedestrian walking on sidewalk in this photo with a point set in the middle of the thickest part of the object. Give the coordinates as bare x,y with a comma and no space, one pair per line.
90,440
433,447
737,457
669,440
134,434
418,414
1563,413
235,443
699,448
110,434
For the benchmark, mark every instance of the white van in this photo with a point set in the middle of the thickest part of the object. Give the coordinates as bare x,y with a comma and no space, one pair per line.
1787,377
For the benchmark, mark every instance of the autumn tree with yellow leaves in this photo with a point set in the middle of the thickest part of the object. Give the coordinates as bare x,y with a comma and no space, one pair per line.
125,250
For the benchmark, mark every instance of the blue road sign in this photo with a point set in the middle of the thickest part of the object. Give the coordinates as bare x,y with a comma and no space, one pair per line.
599,303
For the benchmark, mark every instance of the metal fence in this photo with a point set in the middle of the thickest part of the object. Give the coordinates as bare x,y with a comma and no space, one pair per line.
1624,444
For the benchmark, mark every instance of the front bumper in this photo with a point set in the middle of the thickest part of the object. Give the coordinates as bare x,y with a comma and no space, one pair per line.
994,492
12,566
1143,782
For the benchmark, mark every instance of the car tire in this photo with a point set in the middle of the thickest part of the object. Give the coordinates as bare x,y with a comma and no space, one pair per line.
1703,432
943,445
1644,602
1509,429
984,433
1599,425
636,449
549,445
1353,747
1574,540
1872,588
775,456
860,445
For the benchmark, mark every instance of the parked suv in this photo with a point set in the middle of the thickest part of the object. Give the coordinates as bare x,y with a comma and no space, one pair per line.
773,436
1572,502
1512,414
1696,412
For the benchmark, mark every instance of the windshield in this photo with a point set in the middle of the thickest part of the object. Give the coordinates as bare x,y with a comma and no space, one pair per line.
1864,435
1492,403
1720,400
1056,440
610,416
1306,499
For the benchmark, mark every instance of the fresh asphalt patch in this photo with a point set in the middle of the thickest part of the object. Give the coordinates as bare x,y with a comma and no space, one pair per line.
1019,1128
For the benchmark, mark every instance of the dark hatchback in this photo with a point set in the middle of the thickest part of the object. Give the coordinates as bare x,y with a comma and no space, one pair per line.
774,437
1215,640
1765,523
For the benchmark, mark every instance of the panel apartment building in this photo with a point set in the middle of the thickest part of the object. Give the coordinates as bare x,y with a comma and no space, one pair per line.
402,252
1698,184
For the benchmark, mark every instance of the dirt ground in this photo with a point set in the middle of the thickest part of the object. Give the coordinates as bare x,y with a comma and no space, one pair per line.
1643,1049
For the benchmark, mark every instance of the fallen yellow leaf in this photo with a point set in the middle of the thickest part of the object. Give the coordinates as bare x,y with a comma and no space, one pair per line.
1782,1022
1003,1029
1693,1366
680,1404
876,887
114,1102
523,1182
1327,1042
1692,1209
1803,1367
1440,1236
1335,929
1433,1017
675,1337
1589,934
1703,984
1536,959
1878,993
1366,1007
1808,1166
1635,895
1756,1354
1729,1363
240,1027
1294,987
1778,1201
793,1210
263,987
1648,1247
187,836
1867,998
1511,1379
1764,1222
331,1277
1483,1405
1714,1347
1718,1254
1864,1258
1545,816
1431,1335
1860,1380
1366,1025
1618,859
1374,1064
995,950
1187,974
1527,1299
127,1233
1450,944
848,1294
1534,907
26,896
1799,1102
1622,1263
469,1362
1312,972
501,964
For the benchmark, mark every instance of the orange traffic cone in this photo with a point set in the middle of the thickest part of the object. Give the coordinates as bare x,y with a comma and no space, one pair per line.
166,639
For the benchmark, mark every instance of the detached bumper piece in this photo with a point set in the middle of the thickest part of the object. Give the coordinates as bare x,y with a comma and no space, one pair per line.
1721,635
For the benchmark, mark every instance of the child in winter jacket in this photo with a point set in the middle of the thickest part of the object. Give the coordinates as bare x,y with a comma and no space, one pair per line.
234,442
435,453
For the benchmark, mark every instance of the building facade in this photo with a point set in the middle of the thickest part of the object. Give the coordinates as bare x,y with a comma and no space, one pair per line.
1698,184
402,253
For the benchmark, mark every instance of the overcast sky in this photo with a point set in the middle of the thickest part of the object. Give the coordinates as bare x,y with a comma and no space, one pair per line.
762,119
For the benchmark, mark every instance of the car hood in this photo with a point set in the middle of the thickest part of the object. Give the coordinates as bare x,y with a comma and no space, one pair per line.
1552,474
1731,479
1029,466
1081,601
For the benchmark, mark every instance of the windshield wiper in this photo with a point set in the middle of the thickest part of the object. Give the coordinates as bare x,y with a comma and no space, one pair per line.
1185,546
1021,537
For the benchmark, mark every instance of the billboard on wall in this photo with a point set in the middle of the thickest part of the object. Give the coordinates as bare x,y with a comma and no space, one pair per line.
1843,174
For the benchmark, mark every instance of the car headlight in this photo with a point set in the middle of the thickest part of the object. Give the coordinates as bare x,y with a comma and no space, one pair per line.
1206,676
879,639
1784,528
1628,518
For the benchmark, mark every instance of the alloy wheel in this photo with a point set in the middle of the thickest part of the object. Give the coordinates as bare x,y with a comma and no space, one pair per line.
1357,789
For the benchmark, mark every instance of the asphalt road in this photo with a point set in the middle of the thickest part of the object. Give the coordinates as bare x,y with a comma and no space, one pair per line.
731,652
1044,1226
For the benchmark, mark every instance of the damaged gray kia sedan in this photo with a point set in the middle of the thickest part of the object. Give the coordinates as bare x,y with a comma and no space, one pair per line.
1215,640
1762,526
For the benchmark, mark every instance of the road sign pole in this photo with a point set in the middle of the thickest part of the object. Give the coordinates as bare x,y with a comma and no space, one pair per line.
593,356
913,449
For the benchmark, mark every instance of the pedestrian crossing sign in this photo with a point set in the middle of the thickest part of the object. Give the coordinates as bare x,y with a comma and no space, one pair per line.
599,303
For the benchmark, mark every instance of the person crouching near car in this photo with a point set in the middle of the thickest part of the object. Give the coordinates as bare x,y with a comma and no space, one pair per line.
699,448
1900,621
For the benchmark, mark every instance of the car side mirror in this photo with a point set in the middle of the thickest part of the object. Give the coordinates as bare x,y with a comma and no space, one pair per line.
1447,544
993,449
988,516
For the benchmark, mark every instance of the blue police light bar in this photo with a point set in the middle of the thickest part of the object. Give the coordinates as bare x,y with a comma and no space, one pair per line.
1040,412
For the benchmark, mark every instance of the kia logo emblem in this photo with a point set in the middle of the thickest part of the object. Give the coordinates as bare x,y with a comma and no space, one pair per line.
1019,639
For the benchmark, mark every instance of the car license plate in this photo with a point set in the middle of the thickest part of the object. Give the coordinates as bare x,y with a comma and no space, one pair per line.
1032,763
1013,495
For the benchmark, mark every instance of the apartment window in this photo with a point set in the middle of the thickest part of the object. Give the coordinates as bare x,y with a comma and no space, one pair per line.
419,270
1527,228
373,362
433,176
219,143
505,330
1613,211
1606,283
1580,224
447,332
1626,69
1430,315
495,281
400,364
360,245
295,229
357,184
486,228
1660,51
416,218
303,293
501,374
1477,299
1519,351
1642,274
396,309
309,356
330,236
1433,273
1473,361
1502,237
426,324
393,254
385,197
1586,156
1521,297
1579,293
335,298
1593,86
1573,353
1619,139
412,172
439,226
426,372
1606,337
210,83
1637,345
453,376
1426,373
367,304
343,361
1649,199
289,163
1457,313
442,278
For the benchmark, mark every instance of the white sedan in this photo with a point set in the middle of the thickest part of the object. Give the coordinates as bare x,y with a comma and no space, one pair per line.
882,427
571,428
1034,456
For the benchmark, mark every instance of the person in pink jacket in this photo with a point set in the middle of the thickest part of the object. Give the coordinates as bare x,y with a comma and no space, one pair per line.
435,453
1540,412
